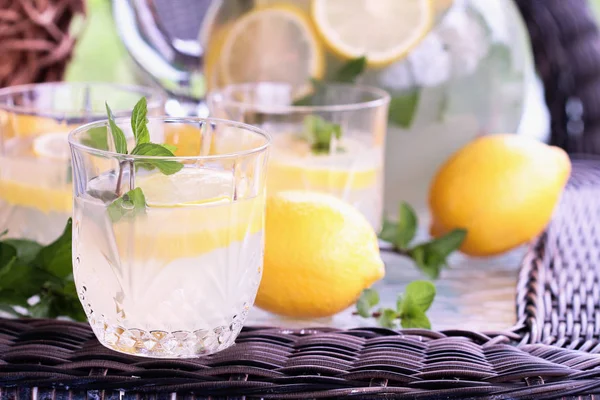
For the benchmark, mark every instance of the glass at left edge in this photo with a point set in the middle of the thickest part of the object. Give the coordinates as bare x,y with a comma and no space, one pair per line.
175,275
35,166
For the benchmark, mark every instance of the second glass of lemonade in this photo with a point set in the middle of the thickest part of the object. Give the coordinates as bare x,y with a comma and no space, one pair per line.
331,140
167,261
35,166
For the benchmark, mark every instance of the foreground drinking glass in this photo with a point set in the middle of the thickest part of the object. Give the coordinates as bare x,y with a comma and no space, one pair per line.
332,141
35,166
176,275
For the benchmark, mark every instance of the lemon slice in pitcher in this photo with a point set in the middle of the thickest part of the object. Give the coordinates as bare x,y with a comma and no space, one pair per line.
382,30
276,44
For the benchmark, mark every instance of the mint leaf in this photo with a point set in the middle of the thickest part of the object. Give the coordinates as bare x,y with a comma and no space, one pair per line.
389,231
421,293
411,313
97,138
170,147
368,299
59,299
429,262
156,150
416,321
351,70
401,233
309,99
320,133
432,256
387,318
129,205
402,109
139,120
56,258
407,226
448,243
27,250
117,133
28,268
8,255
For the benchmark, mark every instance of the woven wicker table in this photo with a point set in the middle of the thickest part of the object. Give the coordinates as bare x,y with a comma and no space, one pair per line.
550,353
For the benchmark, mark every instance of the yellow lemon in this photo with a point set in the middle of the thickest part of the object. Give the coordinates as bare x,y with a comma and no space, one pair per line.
320,253
501,188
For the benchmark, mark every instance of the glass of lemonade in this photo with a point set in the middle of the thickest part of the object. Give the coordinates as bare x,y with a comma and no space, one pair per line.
176,276
332,141
35,167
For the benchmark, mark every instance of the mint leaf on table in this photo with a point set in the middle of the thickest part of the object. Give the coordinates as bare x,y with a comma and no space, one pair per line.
156,150
139,121
387,318
130,204
414,303
422,293
28,269
117,133
368,299
402,109
27,250
351,70
432,256
401,233
56,257
411,306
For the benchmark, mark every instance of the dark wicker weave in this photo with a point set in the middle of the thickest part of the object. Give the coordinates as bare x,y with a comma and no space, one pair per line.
558,303
271,363
559,290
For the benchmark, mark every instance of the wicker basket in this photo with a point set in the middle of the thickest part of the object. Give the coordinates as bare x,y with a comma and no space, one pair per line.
557,303
37,38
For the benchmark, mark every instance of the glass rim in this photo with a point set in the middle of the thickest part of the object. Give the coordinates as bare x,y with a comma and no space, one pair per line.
154,96
75,144
382,98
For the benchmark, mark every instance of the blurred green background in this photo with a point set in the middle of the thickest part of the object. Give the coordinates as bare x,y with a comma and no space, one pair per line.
596,7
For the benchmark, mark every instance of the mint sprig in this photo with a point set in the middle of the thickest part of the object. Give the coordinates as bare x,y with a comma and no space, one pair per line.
118,136
411,306
133,202
28,269
430,257
152,149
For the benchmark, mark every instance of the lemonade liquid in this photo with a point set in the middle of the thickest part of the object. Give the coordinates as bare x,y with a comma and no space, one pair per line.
35,192
177,280
351,171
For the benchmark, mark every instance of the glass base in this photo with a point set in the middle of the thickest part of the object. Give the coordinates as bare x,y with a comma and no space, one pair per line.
164,344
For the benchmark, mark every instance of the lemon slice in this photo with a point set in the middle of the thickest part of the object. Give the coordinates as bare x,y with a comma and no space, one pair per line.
190,186
294,167
382,30
44,199
53,146
189,213
276,44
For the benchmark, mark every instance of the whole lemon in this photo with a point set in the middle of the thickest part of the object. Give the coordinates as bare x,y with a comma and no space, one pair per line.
501,188
320,253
